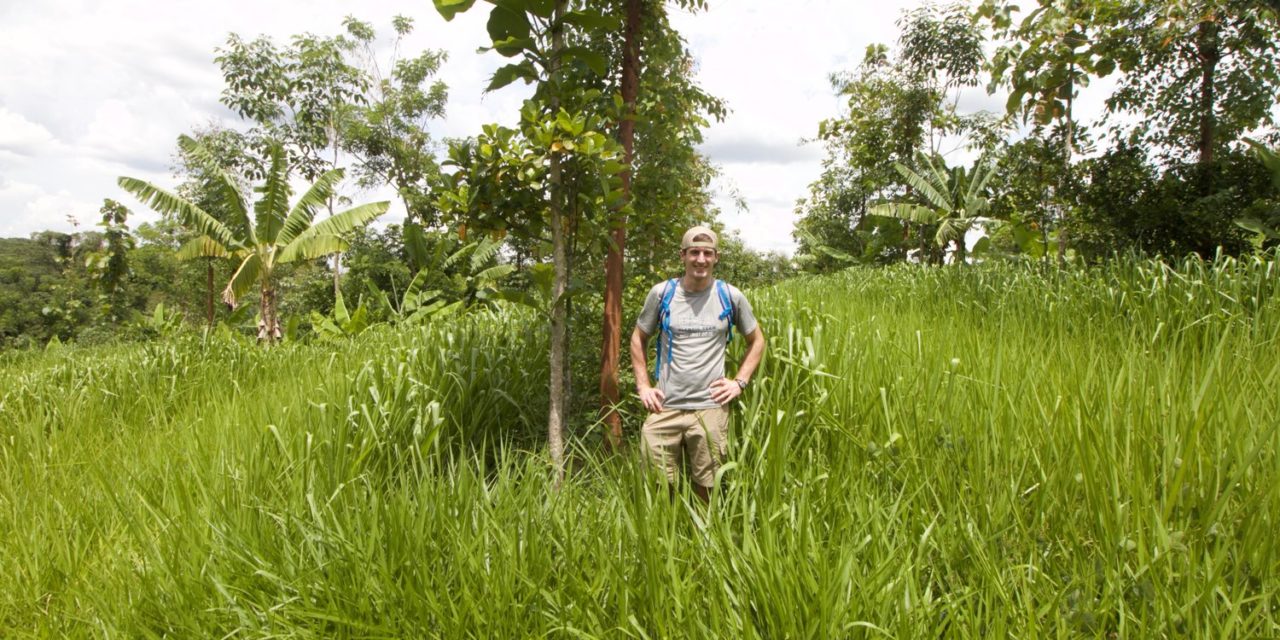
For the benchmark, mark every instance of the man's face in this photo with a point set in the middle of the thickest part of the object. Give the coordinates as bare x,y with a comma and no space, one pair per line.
698,261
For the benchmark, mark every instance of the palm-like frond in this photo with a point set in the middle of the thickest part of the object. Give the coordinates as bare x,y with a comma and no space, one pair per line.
273,206
1270,159
905,211
457,256
310,240
245,277
304,211
311,247
345,221
202,247
415,287
976,205
982,174
494,273
951,230
939,175
166,202
485,252
228,192
932,193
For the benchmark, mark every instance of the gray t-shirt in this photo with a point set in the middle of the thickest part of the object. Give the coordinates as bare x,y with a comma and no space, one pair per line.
697,355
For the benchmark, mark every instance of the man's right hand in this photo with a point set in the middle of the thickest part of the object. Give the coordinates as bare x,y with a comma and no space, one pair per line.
652,398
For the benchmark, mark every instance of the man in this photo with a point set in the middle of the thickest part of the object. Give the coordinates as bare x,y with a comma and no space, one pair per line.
688,408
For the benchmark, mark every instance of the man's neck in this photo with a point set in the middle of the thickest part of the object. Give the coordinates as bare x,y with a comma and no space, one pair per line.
696,285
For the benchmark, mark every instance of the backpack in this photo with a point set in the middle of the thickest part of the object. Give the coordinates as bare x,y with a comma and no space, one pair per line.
664,319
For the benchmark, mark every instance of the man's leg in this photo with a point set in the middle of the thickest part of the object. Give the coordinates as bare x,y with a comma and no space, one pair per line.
660,437
706,447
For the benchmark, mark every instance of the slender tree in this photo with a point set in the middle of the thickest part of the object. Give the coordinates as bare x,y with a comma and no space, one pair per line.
535,32
612,331
1044,59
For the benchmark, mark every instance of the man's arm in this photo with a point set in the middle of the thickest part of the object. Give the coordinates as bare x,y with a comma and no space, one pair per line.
650,396
755,352
725,390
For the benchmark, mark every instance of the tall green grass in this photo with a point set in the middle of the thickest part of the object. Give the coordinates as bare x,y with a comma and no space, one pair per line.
980,452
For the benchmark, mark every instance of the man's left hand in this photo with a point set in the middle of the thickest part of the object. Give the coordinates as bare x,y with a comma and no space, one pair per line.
724,390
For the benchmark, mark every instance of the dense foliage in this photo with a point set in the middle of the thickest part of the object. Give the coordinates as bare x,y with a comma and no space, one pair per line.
1191,80
964,452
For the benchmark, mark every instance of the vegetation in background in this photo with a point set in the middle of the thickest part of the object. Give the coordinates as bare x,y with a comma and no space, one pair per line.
277,233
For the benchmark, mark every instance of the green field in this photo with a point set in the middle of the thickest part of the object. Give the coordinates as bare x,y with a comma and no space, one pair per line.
990,451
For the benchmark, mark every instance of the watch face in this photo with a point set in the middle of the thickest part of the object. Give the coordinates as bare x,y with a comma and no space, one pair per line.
741,384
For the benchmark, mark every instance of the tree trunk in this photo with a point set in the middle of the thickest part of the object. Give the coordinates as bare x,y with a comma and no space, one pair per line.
268,323
559,283
208,303
1207,50
609,395
337,272
1069,151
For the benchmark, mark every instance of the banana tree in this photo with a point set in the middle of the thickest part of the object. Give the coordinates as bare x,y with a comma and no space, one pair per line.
276,234
952,199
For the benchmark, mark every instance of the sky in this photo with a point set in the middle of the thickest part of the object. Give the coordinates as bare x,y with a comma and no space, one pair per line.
94,89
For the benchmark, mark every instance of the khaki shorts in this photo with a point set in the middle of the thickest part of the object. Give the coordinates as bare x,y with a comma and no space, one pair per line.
673,435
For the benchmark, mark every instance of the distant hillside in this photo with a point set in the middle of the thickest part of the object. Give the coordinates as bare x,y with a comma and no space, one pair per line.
29,276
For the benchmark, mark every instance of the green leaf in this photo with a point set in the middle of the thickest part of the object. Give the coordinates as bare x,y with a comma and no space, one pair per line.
450,8
1104,67
592,21
507,74
594,61
1269,158
506,23
904,211
511,47
166,202
1258,226
932,191
415,244
541,8
309,245
340,310
304,211
202,247
494,273
271,207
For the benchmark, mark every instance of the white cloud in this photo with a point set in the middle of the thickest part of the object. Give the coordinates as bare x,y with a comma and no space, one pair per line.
28,207
20,136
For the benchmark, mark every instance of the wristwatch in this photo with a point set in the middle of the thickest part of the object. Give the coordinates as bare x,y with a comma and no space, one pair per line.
742,384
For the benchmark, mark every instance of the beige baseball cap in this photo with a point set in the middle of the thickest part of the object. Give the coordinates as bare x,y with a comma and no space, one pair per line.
688,239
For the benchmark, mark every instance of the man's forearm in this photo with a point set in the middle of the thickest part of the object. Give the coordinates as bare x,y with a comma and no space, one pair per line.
638,364
755,352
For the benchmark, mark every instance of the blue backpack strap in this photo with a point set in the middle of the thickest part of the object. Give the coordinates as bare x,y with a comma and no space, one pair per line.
726,306
664,326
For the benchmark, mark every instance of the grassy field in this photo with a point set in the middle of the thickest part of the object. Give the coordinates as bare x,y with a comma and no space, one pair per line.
981,452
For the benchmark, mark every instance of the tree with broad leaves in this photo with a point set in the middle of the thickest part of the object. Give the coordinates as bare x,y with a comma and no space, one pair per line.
534,31
1044,59
1202,73
385,128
